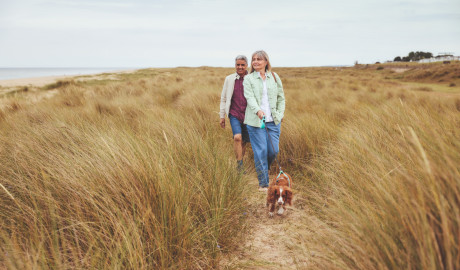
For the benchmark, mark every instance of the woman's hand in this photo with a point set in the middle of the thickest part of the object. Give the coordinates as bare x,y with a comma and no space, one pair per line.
260,114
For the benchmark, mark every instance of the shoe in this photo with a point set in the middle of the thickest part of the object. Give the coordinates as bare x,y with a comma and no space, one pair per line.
264,189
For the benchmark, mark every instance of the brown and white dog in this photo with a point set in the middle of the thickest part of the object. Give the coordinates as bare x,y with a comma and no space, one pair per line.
279,194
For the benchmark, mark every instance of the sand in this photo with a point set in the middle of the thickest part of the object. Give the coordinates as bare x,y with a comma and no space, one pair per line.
34,93
37,81
42,81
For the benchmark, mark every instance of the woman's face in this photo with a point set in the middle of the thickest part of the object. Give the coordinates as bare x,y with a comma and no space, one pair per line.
259,63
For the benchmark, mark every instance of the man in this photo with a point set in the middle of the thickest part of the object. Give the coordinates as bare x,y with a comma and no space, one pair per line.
233,104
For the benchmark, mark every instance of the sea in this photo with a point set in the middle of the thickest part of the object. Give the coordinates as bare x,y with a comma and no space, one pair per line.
19,73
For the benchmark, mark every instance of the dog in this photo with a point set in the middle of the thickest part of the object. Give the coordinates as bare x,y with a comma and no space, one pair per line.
279,193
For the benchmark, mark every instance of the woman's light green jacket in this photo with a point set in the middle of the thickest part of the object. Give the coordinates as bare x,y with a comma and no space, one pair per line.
253,88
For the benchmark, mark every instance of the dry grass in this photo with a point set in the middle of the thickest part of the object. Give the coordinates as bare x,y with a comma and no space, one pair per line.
437,72
385,183
136,174
124,175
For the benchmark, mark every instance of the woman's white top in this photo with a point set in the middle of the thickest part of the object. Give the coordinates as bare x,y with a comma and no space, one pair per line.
265,106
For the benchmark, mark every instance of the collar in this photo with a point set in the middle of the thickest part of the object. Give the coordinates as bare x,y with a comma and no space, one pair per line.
288,178
268,74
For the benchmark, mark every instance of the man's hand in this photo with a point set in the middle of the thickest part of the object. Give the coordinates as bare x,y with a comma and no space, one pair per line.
260,114
222,122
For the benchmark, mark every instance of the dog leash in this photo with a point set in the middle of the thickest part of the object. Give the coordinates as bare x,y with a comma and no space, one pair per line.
262,125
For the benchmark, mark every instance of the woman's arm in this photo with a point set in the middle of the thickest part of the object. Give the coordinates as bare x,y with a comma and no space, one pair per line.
280,101
250,96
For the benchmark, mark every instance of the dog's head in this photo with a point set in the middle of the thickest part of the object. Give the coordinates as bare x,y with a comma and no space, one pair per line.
279,195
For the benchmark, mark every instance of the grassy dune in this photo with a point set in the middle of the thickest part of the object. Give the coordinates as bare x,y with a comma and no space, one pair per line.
136,173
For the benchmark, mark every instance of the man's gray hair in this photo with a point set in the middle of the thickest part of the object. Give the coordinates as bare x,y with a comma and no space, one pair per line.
241,57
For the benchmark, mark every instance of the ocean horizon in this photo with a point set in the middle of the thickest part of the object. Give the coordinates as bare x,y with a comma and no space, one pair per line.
20,73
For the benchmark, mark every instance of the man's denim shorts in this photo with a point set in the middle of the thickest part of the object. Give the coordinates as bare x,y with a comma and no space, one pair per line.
239,128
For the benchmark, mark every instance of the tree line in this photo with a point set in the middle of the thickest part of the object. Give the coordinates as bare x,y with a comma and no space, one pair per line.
413,56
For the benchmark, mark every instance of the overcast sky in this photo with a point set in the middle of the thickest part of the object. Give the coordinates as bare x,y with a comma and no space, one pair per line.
162,33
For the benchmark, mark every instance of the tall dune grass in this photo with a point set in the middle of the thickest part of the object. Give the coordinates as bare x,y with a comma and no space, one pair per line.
384,189
136,174
122,175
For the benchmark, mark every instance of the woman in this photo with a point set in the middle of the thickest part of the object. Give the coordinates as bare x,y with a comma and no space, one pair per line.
265,98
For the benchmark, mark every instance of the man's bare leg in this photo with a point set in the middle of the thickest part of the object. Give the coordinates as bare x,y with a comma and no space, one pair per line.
238,147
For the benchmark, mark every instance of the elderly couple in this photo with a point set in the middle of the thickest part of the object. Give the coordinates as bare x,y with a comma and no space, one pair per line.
246,99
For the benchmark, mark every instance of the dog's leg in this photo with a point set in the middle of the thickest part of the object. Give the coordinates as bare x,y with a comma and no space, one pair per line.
281,210
271,212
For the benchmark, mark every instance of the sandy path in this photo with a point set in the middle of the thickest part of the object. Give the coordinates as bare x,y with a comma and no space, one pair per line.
269,242
400,70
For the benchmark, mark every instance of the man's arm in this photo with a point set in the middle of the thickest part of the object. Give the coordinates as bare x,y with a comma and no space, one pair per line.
223,102
223,99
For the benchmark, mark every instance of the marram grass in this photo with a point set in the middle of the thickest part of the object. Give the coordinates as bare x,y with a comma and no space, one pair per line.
110,179
136,173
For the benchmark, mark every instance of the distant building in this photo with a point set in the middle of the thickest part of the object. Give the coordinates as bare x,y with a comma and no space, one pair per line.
440,58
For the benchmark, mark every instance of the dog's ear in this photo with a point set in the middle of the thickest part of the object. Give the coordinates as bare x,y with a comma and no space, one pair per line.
271,194
289,196
273,182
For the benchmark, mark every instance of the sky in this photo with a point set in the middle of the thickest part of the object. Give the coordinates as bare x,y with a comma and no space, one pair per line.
162,33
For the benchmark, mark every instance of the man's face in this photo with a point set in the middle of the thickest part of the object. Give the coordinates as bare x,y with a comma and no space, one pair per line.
241,66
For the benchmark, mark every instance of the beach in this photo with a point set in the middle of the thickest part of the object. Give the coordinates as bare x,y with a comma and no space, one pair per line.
40,81
35,81
34,85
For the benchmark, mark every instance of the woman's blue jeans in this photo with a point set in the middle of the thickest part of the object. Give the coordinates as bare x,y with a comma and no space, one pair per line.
264,154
